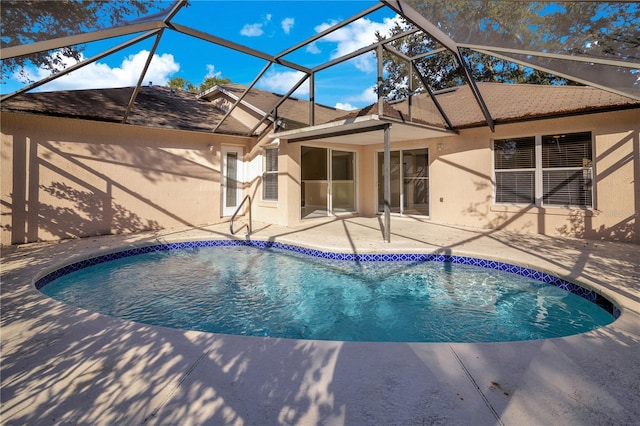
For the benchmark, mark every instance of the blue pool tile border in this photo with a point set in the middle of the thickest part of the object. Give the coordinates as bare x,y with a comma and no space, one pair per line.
587,294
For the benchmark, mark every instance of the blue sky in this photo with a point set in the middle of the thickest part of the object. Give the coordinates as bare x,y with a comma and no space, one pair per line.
267,26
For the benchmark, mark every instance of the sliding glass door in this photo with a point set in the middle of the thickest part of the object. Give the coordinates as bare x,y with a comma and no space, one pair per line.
343,183
409,182
328,182
315,181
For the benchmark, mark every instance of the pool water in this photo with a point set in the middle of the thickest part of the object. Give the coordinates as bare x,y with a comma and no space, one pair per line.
265,292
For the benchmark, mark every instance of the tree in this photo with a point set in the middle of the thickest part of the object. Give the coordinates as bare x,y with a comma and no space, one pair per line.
600,27
26,22
583,28
208,82
441,70
181,84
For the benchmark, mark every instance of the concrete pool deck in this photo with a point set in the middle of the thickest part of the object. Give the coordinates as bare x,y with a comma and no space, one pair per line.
63,365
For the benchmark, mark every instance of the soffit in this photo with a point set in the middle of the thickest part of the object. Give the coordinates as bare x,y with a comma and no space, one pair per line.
362,131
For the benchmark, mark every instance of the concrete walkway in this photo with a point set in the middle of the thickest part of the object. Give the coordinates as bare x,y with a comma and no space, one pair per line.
63,365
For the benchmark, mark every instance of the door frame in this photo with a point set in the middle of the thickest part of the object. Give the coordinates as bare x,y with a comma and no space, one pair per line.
329,182
224,151
401,209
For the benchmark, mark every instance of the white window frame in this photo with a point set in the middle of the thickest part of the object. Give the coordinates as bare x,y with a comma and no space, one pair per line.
539,175
329,181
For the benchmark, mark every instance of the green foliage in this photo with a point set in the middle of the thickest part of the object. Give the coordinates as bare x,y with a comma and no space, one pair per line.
604,30
26,22
182,84
441,70
209,82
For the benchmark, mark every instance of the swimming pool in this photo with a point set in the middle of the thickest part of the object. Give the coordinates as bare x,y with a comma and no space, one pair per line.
260,288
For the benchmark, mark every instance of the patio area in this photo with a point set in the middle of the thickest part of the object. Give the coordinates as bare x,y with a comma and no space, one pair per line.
64,365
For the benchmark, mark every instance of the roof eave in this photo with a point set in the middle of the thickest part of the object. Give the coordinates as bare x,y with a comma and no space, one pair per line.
552,115
345,131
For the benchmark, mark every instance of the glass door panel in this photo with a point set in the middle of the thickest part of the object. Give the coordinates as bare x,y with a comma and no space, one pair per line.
328,182
343,187
232,184
415,182
315,181
409,182
395,182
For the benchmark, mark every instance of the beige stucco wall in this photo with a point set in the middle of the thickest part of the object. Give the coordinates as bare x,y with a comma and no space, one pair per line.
267,211
461,179
65,178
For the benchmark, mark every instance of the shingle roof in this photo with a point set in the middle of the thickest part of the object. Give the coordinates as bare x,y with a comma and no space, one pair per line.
158,106
387,111
512,102
292,109
155,106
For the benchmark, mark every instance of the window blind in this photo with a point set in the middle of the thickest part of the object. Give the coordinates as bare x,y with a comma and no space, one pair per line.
515,153
514,161
563,163
270,174
567,187
515,187
572,150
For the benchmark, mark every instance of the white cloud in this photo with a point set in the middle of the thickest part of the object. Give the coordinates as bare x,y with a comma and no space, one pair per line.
356,35
313,48
287,24
346,107
258,29
282,82
211,72
252,30
368,96
365,98
101,75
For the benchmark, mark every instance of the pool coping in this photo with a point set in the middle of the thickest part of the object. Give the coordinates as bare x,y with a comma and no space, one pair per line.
590,378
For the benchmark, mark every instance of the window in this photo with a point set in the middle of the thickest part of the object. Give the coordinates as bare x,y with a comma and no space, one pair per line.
270,174
515,170
553,170
566,169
